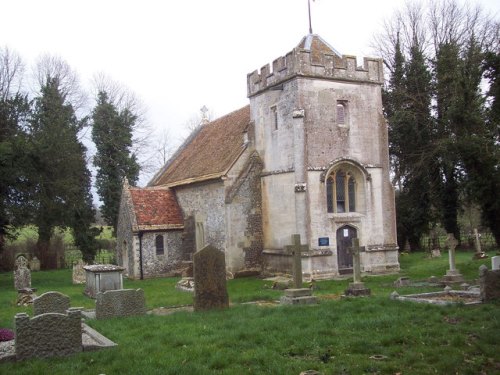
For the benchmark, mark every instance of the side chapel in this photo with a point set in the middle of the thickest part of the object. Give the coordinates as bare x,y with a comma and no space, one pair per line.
308,155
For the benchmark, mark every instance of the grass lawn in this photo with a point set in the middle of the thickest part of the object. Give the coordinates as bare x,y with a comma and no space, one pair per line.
337,336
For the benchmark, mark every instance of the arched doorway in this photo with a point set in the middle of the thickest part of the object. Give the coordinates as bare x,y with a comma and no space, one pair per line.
345,234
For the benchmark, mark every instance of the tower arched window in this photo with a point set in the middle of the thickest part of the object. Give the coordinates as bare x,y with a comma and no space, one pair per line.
160,250
341,192
341,113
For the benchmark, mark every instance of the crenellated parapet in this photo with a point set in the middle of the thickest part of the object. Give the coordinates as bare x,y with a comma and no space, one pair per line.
304,63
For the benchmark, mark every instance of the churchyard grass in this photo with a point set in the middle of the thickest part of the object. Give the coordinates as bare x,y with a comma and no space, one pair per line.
337,336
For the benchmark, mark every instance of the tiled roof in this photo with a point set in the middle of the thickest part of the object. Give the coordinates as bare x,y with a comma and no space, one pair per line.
209,153
156,207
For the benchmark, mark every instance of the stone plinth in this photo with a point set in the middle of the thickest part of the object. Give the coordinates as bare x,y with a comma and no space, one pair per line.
453,277
102,277
357,289
298,296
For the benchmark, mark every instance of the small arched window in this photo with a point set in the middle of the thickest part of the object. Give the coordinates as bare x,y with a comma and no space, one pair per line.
341,192
160,250
341,120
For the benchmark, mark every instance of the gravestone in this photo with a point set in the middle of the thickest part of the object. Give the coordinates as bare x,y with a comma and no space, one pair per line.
209,271
22,274
489,284
402,281
51,302
452,275
79,272
479,254
48,335
297,294
435,253
35,264
123,302
495,263
357,287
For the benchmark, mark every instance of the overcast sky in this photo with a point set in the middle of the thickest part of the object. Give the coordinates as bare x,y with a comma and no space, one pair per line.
177,56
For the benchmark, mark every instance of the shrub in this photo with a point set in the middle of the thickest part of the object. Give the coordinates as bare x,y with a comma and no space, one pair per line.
6,334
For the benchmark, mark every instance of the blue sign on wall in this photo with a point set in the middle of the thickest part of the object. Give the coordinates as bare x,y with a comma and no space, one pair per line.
323,241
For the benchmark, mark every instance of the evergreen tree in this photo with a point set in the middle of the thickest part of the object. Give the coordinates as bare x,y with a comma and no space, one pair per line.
112,134
60,176
446,84
14,189
413,134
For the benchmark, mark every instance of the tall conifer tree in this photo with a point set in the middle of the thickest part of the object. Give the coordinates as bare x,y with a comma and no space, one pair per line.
59,173
112,134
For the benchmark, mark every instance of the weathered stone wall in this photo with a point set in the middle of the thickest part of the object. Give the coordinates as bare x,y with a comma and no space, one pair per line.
123,302
154,265
244,218
206,202
125,240
48,335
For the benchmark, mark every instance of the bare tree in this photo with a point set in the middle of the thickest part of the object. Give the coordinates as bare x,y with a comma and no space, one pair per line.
11,72
48,67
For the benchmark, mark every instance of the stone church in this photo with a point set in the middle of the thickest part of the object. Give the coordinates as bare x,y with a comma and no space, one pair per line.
307,156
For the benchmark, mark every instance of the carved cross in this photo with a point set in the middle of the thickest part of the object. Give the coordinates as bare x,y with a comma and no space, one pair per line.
451,244
356,262
296,250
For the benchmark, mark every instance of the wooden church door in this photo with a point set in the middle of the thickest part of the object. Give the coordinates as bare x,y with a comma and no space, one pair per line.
345,234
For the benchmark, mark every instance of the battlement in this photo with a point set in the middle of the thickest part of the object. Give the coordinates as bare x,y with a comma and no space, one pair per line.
305,63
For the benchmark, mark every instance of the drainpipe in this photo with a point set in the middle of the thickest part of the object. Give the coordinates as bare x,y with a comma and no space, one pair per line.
140,256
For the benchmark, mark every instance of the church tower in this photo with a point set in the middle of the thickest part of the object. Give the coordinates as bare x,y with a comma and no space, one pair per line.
321,135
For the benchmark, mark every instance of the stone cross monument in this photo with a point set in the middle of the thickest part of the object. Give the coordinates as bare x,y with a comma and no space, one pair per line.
452,275
357,287
297,294
296,250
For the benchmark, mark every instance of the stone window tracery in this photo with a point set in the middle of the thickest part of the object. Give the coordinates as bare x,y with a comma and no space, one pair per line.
341,192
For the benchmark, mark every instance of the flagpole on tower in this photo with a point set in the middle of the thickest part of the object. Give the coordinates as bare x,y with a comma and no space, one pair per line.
309,9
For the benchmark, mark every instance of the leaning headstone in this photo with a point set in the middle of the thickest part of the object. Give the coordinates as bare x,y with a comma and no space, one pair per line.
209,271
34,264
357,287
51,302
297,294
123,302
452,275
495,263
79,272
22,274
48,335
